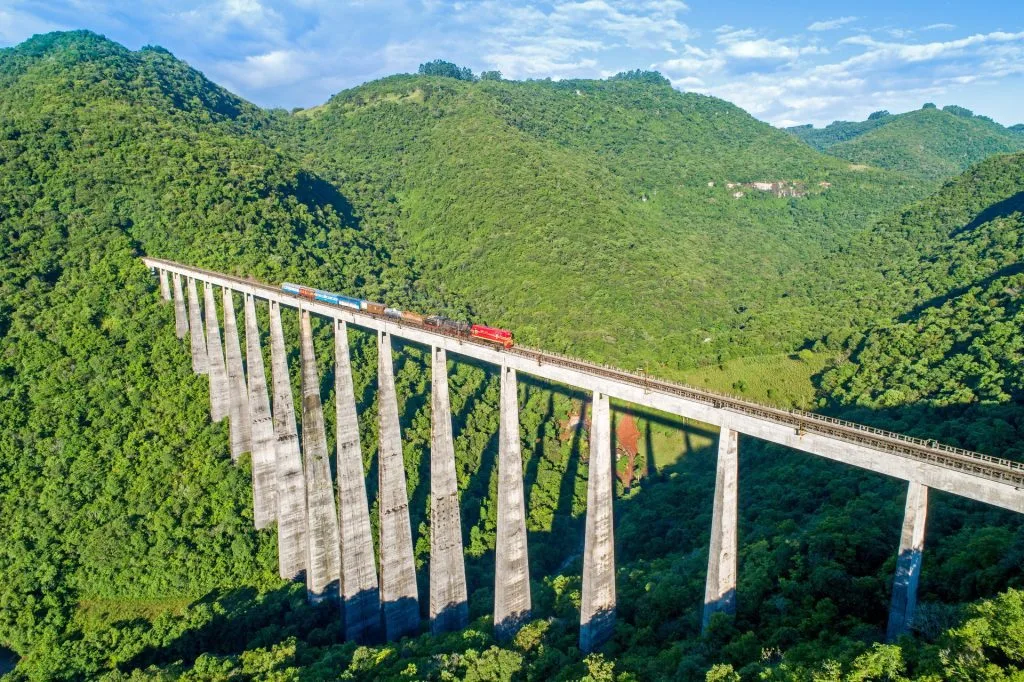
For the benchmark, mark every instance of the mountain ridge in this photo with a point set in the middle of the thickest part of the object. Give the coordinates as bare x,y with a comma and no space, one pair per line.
931,143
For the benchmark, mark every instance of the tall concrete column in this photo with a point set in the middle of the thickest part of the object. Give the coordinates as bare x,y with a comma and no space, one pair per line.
449,608
291,484
597,610
264,485
720,590
359,590
323,567
397,568
165,290
220,401
238,395
180,320
200,363
908,564
512,601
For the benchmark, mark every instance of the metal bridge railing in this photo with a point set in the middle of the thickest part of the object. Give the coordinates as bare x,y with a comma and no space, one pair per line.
920,449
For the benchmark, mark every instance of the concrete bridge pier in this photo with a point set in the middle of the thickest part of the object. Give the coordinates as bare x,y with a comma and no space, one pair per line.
220,402
359,589
291,485
597,610
397,568
449,606
323,567
908,564
238,396
512,603
720,591
264,486
165,290
180,319
200,363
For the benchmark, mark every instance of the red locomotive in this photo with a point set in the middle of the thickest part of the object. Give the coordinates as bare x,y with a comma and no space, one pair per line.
502,336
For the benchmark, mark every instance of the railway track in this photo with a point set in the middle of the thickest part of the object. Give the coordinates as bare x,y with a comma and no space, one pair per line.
925,451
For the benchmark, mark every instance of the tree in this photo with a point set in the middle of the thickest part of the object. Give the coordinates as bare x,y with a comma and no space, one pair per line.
440,67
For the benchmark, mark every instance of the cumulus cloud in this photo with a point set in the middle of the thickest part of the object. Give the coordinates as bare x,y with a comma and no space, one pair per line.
273,69
830,24
768,49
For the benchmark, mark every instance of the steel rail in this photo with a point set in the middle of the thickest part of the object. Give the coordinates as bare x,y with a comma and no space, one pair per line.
927,451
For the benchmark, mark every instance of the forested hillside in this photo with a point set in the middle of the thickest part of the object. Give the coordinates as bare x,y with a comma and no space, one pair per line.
578,213
642,240
929,143
954,358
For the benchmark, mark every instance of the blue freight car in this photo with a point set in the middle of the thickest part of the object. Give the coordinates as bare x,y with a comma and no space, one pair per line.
320,295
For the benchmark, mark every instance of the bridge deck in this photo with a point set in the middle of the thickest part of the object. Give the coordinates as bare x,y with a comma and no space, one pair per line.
970,474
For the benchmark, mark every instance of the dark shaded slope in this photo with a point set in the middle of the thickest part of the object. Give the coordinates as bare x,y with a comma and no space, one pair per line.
956,258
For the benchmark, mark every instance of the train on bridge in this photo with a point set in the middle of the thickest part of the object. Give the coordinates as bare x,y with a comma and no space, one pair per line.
501,337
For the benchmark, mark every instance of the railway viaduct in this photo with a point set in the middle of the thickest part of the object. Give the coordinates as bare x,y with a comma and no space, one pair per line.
324,526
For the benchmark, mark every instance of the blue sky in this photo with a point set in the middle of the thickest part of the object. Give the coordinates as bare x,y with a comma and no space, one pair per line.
785,62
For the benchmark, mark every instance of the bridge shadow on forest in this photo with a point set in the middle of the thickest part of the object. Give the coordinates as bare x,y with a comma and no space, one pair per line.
811,531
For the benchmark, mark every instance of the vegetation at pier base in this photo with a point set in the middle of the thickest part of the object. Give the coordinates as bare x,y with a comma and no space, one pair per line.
577,213
930,143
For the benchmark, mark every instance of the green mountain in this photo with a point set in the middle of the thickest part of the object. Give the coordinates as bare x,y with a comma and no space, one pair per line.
959,254
112,480
615,219
928,143
578,213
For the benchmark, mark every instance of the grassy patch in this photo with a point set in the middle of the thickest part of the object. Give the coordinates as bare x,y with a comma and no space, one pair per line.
781,379
100,611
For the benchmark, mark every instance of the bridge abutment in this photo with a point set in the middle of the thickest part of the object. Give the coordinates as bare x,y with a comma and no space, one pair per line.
238,419
597,610
512,602
908,563
397,568
291,485
449,608
359,588
264,486
200,363
720,589
219,398
180,319
323,565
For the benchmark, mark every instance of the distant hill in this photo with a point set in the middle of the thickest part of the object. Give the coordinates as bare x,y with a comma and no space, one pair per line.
929,143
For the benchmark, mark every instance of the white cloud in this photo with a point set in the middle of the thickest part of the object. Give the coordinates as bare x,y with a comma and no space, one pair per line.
273,69
768,49
688,83
830,24
694,60
939,27
920,52
729,34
